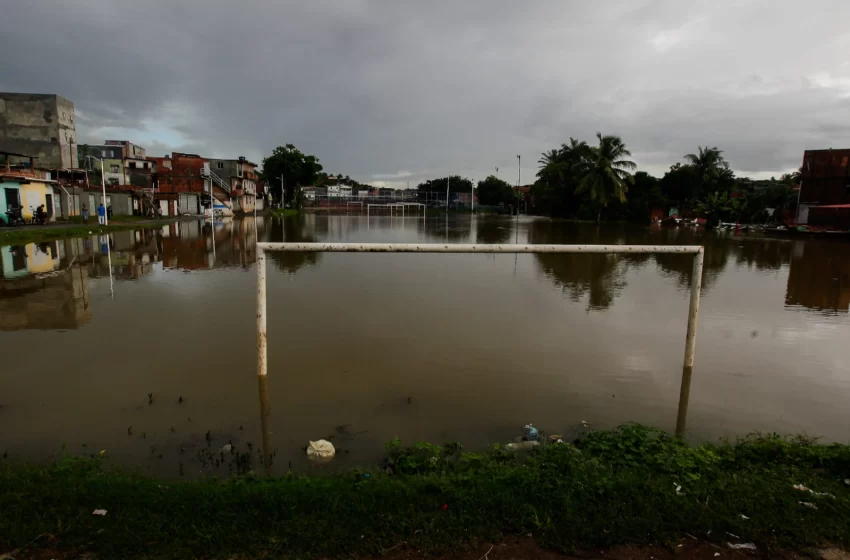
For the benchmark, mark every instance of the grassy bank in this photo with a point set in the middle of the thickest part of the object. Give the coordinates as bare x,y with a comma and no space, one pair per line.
633,485
284,212
39,234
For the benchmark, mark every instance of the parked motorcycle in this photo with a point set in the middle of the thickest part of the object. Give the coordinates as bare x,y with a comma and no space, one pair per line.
15,216
39,217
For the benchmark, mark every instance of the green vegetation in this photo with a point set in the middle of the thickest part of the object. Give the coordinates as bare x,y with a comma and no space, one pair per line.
581,181
492,191
632,485
284,212
287,170
39,234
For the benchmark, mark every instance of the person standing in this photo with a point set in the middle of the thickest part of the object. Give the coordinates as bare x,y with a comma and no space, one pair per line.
85,214
101,214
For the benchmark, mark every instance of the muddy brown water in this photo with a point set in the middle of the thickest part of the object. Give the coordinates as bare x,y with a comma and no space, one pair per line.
370,347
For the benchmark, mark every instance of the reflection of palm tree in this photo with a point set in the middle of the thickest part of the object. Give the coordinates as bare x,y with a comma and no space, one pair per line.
292,230
680,268
600,277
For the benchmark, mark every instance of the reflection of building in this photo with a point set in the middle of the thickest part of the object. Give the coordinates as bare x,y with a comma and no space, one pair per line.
819,277
29,300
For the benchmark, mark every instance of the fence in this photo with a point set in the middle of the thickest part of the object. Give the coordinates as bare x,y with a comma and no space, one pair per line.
262,348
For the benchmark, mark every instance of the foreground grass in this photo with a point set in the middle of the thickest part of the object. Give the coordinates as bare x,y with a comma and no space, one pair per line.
609,488
39,234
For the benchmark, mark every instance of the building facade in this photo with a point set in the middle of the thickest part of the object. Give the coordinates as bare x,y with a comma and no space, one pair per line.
178,183
42,125
825,189
241,176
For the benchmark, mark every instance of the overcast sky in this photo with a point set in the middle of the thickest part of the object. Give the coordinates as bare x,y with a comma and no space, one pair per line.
399,91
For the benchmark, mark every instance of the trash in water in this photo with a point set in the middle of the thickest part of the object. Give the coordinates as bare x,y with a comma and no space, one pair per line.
800,487
555,438
585,423
716,554
100,512
226,448
744,517
521,445
847,481
530,433
742,546
809,505
678,489
321,450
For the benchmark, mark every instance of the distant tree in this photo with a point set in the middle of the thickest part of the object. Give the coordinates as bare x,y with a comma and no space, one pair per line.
605,173
289,167
457,184
711,170
492,191
715,207
557,178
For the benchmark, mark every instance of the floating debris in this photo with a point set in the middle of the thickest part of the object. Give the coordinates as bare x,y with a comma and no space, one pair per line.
521,445
100,512
678,489
744,517
742,546
226,448
321,450
809,505
150,398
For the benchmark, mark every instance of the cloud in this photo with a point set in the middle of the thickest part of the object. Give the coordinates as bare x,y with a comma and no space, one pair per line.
440,87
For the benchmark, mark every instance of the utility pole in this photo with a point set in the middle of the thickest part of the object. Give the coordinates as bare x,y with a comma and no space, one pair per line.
518,181
448,180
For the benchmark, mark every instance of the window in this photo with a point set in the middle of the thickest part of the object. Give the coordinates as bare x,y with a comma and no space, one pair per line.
132,165
114,169
238,169
219,165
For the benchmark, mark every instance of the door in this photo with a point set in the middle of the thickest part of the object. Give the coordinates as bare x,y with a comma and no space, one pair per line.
129,205
163,207
803,214
92,206
13,198
48,205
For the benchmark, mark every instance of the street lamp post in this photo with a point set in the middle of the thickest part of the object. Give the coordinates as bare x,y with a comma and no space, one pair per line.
103,189
518,181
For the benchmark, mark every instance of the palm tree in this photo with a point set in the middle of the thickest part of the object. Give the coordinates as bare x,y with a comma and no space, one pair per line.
709,165
605,172
550,157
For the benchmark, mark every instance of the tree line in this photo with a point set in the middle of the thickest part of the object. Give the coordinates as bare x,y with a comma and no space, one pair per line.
578,180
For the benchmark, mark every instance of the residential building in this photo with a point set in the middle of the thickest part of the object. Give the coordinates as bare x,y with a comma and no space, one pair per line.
179,185
41,125
137,170
240,176
825,189
91,156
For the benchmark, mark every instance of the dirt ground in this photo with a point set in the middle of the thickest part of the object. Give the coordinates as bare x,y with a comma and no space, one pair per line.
527,548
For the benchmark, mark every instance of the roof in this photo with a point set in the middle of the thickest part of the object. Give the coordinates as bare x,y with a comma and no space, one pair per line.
833,206
23,179
17,155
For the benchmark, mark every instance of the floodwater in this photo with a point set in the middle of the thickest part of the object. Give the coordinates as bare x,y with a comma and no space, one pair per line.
156,362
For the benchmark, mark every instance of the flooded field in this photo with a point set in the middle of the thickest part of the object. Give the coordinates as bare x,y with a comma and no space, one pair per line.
142,343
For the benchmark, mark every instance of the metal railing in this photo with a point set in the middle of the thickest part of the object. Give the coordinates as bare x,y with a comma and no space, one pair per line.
693,310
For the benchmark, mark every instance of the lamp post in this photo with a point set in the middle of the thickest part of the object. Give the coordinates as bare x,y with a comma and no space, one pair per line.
103,189
518,181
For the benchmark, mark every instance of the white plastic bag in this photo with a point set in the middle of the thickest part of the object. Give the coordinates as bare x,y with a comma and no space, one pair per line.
321,450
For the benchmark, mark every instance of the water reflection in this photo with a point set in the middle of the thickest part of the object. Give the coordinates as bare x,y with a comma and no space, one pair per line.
423,347
300,229
820,277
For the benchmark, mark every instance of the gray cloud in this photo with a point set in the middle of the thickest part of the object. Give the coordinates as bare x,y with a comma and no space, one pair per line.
398,91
